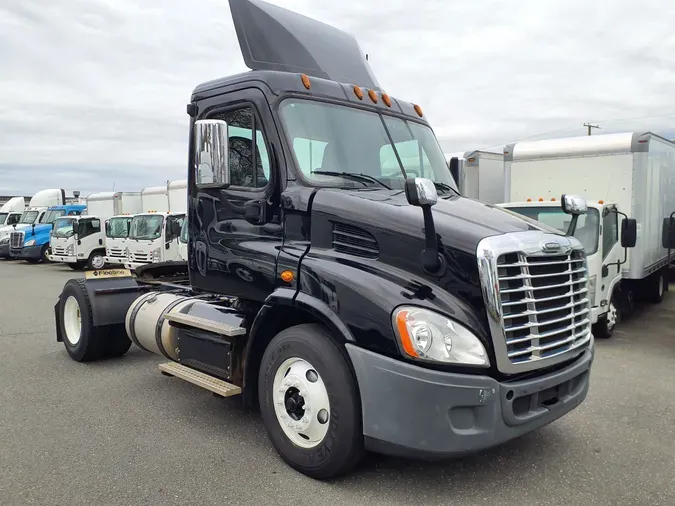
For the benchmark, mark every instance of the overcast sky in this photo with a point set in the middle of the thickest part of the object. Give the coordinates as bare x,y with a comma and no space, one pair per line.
93,92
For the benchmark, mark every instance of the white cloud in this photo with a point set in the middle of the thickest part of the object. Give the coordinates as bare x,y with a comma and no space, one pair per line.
94,91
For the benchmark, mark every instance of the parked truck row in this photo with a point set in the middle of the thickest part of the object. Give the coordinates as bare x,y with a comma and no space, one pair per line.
126,229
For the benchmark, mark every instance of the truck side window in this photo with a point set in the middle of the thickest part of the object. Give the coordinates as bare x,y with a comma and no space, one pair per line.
13,218
244,150
89,227
610,232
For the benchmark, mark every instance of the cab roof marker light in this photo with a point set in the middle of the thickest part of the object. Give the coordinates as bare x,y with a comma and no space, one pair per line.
386,99
418,110
373,96
541,199
358,92
601,202
305,81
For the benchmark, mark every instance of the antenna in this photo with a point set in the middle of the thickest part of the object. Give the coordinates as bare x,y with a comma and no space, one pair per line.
589,126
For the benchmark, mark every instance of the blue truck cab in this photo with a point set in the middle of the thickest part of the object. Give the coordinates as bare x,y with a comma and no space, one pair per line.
32,244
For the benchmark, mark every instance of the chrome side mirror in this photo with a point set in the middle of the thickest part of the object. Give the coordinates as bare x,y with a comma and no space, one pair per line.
573,204
420,192
211,153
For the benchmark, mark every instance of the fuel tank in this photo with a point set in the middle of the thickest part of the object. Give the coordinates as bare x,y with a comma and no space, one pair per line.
146,323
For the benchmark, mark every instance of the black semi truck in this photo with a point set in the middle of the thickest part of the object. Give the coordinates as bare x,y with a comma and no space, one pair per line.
336,278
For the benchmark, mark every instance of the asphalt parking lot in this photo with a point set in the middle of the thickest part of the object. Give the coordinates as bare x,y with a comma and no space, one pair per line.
118,432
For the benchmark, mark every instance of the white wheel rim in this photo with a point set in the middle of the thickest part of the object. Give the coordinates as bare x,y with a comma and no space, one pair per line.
301,403
97,262
611,316
72,320
244,274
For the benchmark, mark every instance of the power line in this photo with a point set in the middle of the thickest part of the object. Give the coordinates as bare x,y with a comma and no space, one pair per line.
589,126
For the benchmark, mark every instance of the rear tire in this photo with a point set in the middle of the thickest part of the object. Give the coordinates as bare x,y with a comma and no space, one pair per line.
118,343
83,341
656,286
44,253
318,383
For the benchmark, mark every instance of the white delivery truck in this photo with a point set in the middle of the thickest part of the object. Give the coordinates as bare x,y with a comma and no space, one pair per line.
177,193
32,215
628,180
154,234
84,245
479,175
11,211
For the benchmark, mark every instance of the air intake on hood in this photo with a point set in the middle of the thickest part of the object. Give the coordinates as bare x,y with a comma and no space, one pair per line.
354,241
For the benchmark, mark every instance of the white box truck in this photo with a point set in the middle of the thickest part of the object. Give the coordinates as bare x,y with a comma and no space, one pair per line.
479,175
628,180
154,234
81,241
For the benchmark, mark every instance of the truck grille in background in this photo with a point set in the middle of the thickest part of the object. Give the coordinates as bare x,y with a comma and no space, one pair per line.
545,308
116,252
16,240
140,257
354,241
60,251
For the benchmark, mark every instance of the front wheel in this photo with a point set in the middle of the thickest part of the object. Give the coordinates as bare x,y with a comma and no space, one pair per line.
304,383
96,261
604,328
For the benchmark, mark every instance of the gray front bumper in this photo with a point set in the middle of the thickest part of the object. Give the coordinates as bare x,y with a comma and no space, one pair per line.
411,411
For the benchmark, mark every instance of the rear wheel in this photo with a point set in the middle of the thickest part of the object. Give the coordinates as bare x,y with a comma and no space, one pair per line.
44,253
656,286
83,341
304,382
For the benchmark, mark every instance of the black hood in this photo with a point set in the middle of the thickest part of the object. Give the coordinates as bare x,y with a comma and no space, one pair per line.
460,222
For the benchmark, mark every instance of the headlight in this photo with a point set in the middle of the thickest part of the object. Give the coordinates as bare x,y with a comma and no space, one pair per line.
427,335
591,289
156,252
30,242
4,240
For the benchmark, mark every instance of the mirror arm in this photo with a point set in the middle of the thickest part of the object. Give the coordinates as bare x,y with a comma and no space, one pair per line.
573,225
625,250
431,260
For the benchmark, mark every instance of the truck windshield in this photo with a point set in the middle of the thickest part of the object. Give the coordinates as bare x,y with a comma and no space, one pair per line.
29,217
118,228
3,218
344,146
184,232
63,227
587,231
146,226
52,215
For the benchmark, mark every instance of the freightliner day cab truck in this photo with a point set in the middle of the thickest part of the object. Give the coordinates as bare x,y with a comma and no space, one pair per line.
32,216
32,244
11,211
628,180
154,234
80,241
388,313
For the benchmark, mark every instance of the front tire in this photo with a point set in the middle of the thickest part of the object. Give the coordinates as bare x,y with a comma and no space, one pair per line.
604,328
96,261
309,402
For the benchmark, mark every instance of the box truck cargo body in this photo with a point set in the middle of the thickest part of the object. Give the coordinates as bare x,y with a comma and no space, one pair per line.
624,177
479,175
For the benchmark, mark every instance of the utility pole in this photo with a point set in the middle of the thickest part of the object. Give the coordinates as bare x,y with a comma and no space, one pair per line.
589,126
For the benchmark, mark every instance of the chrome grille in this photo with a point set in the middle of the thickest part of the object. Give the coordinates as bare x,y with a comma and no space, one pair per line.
60,251
544,305
16,239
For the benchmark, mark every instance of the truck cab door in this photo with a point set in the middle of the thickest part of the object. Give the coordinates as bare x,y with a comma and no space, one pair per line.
235,231
612,253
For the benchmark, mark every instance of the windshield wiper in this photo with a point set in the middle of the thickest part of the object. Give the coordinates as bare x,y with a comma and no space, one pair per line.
347,175
446,187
